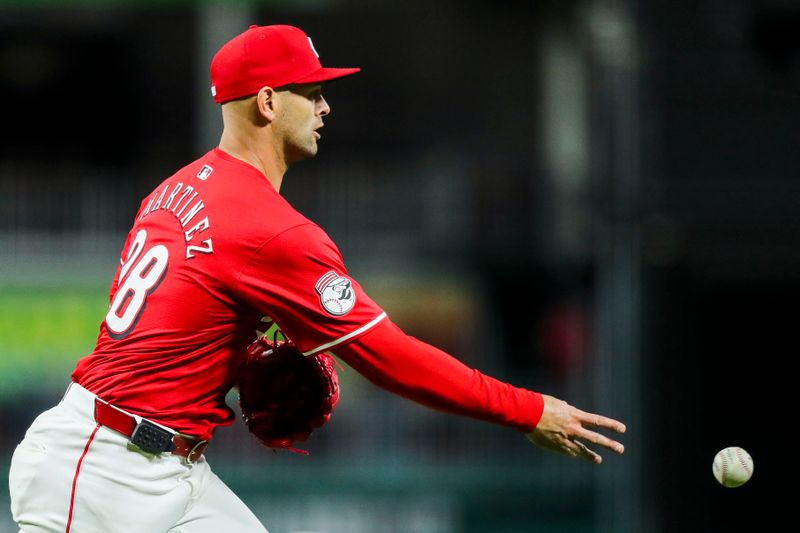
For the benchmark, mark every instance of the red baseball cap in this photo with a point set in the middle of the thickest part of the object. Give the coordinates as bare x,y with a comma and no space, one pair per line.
271,56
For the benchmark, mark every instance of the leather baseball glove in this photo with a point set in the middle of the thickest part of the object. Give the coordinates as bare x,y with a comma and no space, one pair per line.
284,396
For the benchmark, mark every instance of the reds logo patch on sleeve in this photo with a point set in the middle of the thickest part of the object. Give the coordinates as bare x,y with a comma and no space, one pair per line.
336,294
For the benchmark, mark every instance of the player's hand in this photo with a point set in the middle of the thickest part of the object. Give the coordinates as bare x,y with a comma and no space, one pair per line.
561,429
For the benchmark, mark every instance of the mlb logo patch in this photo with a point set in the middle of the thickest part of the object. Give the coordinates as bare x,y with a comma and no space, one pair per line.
205,172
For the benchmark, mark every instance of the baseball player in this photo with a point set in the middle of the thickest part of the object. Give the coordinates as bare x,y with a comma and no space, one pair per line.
213,249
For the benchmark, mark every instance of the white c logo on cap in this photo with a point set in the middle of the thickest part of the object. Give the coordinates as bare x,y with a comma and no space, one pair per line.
312,46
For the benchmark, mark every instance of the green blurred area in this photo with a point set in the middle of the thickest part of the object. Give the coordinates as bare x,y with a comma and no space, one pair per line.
44,330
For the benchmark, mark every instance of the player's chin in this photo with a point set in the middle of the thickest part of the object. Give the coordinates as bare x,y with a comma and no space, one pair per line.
311,149
309,144
299,152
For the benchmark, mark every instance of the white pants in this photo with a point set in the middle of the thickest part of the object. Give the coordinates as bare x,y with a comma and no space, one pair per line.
69,475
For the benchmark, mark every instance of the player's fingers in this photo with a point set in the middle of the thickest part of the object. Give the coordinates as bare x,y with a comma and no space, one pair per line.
584,452
569,446
600,440
601,421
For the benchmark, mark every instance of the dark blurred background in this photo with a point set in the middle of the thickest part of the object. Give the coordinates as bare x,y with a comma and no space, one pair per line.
596,199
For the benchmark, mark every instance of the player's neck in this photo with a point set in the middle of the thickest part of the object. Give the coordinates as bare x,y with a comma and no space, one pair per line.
261,156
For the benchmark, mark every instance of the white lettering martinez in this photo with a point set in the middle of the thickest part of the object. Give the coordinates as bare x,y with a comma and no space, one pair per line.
183,196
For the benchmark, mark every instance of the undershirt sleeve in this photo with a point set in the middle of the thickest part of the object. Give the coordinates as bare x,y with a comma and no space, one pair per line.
420,372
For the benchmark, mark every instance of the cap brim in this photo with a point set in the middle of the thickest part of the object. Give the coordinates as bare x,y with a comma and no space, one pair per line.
327,74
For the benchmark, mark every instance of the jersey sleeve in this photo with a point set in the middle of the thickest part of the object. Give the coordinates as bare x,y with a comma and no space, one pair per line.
298,279
424,374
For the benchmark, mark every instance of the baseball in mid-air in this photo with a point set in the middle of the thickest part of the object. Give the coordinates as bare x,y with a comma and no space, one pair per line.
732,466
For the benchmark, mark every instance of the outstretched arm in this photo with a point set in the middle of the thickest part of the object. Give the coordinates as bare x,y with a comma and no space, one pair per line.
418,371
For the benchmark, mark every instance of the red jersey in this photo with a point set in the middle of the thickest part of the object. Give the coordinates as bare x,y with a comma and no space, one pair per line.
214,249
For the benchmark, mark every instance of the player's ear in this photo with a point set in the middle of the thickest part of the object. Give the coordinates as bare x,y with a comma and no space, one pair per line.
265,102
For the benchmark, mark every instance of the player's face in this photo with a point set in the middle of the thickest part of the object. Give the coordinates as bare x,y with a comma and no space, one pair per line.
299,116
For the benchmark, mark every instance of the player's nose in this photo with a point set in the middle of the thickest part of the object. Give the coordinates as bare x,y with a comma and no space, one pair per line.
324,108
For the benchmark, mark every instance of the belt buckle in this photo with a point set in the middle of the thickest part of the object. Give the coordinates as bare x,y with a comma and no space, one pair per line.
188,459
152,438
